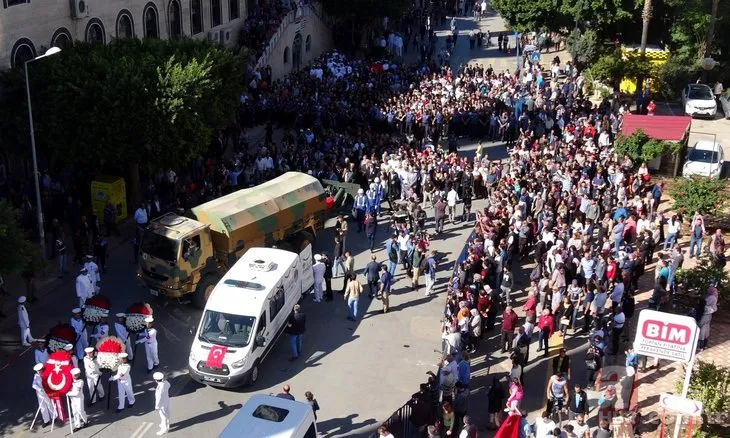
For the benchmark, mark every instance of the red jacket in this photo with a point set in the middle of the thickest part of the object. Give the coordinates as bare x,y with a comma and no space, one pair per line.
530,305
509,321
545,323
483,305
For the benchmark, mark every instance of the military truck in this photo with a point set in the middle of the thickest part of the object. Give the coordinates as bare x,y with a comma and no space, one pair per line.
182,255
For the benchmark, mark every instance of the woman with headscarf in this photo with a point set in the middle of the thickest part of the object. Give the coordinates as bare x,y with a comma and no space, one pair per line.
607,403
706,317
495,395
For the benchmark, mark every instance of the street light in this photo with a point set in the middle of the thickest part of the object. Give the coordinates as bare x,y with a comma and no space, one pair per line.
36,174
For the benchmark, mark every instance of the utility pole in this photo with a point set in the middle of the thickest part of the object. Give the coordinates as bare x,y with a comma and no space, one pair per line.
645,18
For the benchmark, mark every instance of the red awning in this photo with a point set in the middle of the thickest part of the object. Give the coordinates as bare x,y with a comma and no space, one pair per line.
667,128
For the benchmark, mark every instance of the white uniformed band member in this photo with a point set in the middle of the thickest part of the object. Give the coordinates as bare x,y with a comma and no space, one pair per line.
41,352
46,407
84,288
124,383
149,339
162,402
82,337
102,329
92,270
76,396
121,330
69,349
24,323
93,373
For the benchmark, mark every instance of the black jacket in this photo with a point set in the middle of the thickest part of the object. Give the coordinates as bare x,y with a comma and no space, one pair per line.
296,324
579,407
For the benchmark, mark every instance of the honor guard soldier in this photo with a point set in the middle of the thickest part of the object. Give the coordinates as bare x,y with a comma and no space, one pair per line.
93,373
92,270
76,397
69,348
149,339
121,330
82,337
102,329
24,323
162,402
372,195
124,383
84,289
41,352
44,403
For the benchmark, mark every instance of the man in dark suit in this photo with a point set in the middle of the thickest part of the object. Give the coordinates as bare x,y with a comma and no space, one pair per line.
372,273
561,363
154,208
578,404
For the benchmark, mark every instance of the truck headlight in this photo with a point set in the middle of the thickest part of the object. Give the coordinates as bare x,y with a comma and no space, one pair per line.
192,356
239,363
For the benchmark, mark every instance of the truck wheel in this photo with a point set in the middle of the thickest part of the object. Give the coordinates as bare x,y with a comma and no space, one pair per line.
203,290
254,377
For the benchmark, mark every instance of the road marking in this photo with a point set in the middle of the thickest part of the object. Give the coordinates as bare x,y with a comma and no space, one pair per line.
15,358
142,430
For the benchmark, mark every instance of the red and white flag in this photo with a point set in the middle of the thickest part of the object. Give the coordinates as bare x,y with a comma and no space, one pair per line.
215,357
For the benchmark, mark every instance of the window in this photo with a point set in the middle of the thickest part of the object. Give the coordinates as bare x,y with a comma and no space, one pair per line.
308,43
244,284
95,31
62,38
9,3
215,13
196,17
173,12
271,413
24,50
233,10
226,329
125,28
276,302
261,331
159,246
151,29
286,55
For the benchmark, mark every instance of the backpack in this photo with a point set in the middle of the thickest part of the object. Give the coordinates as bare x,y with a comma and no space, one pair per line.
393,253
593,355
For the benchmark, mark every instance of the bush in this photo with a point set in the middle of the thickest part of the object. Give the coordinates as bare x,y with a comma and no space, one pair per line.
583,47
696,281
609,69
699,193
709,384
639,147
673,76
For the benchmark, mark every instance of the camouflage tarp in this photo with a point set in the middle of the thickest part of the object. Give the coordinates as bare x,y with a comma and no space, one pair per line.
279,204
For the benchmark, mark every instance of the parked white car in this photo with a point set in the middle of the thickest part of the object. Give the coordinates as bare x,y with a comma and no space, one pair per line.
698,100
705,158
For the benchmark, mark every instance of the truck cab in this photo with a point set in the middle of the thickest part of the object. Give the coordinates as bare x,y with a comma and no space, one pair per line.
174,253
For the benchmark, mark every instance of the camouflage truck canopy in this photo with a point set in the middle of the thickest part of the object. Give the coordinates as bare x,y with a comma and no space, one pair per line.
262,213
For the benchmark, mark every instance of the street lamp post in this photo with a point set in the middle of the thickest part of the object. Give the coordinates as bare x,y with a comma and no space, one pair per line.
36,174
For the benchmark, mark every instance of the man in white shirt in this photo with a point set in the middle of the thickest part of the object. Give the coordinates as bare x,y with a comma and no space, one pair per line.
451,199
580,428
544,426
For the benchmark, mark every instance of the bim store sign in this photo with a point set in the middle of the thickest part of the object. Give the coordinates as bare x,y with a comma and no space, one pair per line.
665,335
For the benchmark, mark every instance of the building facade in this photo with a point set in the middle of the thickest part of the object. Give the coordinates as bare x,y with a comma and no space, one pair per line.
28,28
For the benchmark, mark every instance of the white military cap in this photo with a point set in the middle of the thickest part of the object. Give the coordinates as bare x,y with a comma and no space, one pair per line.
317,257
104,313
75,372
121,315
76,310
41,340
158,376
68,347
89,256
89,349
149,319
21,299
123,355
38,367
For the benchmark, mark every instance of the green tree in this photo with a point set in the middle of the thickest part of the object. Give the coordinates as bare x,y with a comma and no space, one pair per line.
19,253
583,47
524,16
609,69
131,103
699,193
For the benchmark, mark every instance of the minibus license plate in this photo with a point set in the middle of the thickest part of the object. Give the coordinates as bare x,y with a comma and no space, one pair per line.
154,293
211,379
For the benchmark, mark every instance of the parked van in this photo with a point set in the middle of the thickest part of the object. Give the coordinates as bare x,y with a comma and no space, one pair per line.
272,417
246,313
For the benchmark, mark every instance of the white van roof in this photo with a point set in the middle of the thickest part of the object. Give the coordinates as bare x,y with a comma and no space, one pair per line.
286,417
246,285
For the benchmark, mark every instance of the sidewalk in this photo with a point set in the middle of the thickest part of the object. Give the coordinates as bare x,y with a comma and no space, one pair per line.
46,284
